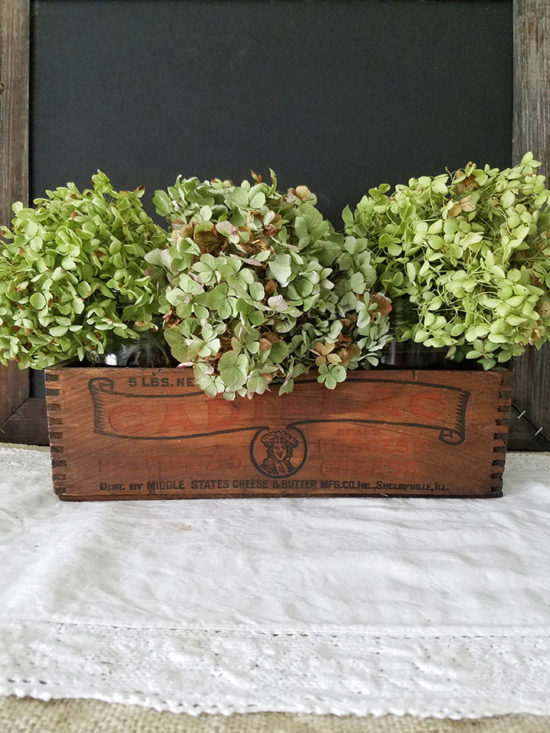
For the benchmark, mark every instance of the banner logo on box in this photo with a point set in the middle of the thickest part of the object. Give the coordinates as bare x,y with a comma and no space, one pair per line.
278,447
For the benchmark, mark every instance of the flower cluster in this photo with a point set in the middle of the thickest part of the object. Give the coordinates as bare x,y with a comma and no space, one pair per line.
258,287
71,272
254,287
471,251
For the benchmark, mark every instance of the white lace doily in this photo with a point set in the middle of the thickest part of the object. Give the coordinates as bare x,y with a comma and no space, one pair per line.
433,607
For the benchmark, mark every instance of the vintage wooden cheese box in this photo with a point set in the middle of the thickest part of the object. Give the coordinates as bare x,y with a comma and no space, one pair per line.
131,433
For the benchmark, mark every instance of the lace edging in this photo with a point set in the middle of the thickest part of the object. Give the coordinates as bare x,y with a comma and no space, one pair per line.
227,672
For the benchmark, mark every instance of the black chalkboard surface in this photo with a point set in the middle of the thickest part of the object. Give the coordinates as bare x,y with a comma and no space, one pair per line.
339,95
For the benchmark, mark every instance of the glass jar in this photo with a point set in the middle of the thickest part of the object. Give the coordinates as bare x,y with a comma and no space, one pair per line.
149,349
408,354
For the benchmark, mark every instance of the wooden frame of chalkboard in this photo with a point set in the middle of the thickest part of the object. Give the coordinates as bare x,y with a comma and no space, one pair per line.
23,418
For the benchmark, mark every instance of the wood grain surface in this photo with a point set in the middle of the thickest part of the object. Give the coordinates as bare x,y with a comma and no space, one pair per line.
531,132
14,391
151,433
14,152
28,425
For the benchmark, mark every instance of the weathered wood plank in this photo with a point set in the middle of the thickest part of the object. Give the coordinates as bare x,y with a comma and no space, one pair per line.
14,135
14,104
14,390
531,132
27,425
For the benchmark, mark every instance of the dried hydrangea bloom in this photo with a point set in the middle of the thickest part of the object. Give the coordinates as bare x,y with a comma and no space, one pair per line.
71,273
254,278
470,250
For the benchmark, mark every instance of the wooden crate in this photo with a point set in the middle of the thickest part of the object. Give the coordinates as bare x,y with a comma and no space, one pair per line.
150,433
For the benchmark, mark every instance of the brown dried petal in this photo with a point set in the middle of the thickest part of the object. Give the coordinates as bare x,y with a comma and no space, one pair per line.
270,287
323,348
206,239
303,192
254,213
383,303
271,230
471,182
344,356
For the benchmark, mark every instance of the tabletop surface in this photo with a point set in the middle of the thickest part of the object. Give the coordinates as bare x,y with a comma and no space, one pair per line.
434,607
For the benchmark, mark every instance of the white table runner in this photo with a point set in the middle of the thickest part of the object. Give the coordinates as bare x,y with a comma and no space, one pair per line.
433,607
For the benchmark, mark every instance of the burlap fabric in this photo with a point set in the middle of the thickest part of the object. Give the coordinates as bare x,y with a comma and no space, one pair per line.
84,716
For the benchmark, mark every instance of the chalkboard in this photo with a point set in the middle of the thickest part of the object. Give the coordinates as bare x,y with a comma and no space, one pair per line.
338,95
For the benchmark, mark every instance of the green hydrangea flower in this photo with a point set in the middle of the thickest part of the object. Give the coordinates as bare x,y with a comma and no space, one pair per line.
255,279
71,271
470,250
